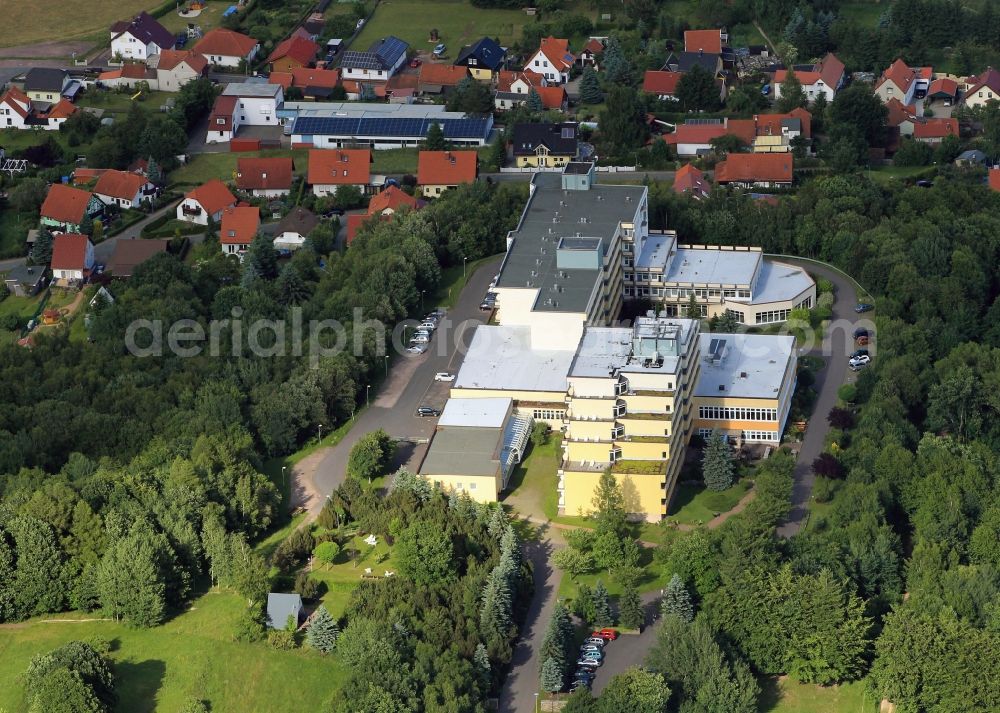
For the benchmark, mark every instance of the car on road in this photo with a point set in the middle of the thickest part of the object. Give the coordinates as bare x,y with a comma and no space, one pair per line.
606,634
427,412
444,376
862,360
864,307
591,663
361,23
416,348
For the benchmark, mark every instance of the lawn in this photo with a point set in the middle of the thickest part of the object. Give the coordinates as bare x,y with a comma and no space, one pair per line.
206,166
343,576
787,696
453,280
894,175
28,22
23,307
865,14
209,19
114,102
192,655
14,227
458,23
695,504
395,161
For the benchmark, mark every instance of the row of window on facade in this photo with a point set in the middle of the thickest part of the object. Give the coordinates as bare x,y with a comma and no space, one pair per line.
744,435
737,413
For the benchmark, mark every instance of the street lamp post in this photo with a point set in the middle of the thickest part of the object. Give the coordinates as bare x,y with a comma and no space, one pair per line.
367,389
319,432
283,480
421,301
386,365
463,267
536,703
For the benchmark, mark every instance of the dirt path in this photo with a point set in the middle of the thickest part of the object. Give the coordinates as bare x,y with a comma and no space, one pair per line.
304,493
764,35
46,50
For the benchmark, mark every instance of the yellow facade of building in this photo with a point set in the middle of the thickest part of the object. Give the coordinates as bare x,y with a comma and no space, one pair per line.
543,159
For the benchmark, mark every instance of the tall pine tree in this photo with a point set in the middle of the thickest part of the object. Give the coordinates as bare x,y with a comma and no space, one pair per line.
41,251
677,600
717,467
630,608
602,606
590,87
552,676
323,632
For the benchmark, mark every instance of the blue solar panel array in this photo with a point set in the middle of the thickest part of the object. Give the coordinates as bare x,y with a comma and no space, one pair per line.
401,127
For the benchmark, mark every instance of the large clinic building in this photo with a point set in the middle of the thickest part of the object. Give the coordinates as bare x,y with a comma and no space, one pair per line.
626,398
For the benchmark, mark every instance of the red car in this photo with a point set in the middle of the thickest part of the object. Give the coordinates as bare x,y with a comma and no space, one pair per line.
606,634
415,62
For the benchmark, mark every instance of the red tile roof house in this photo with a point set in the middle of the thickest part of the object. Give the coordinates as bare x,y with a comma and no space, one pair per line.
827,77
239,226
707,41
437,171
440,78
513,89
691,181
932,131
222,122
124,189
15,108
900,81
382,206
72,257
225,48
175,68
755,170
552,60
329,169
663,85
64,208
982,89
994,179
313,83
294,53
264,177
696,139
206,201
590,52
943,89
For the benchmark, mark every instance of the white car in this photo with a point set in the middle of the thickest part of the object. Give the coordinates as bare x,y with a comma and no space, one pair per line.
444,376
417,348
428,325
420,339
859,361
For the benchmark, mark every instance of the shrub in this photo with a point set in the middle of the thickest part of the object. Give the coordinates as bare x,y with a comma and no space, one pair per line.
828,466
824,489
847,393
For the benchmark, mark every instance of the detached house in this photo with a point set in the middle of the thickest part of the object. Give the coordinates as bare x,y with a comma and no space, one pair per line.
46,84
64,208
706,41
590,52
514,88
544,145
662,85
902,82
264,177
483,59
755,170
226,48
932,131
982,89
124,189
206,201
140,38
552,60
292,230
437,171
439,78
243,103
15,108
239,226
294,53
329,169
826,77
72,258
691,181
176,68
382,60
943,89
382,206
314,84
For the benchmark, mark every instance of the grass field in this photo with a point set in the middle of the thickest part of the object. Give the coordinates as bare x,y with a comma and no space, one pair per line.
119,103
865,14
28,22
205,166
694,504
209,18
14,229
343,576
896,175
192,655
457,23
787,696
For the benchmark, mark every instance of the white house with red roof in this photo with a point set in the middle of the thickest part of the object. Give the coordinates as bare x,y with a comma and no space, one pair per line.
175,68
206,201
826,77
552,60
72,257
590,52
140,38
514,88
19,111
238,229
330,169
982,89
902,82
226,48
15,108
661,84
124,189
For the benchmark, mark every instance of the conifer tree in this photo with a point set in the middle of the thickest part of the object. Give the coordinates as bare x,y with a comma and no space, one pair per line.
602,606
717,464
323,631
677,600
630,608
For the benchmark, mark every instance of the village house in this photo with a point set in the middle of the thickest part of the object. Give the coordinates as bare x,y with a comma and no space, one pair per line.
382,60
65,207
755,170
175,68
436,78
552,60
483,59
706,41
15,109
437,171
544,145
993,179
315,84
514,88
205,202
982,89
129,75
662,85
330,169
764,133
899,81
140,38
239,226
264,177
294,53
587,57
826,77
25,280
691,181
124,189
225,48
291,231
72,258
46,84
243,103
382,206
931,130
943,89
129,254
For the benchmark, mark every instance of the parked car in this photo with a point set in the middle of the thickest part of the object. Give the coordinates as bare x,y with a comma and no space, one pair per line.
431,326
590,663
606,634
590,647
415,62
860,361
864,307
427,412
860,332
417,348
584,673
361,23
420,339
592,655
439,49
859,352
596,640
487,306
444,376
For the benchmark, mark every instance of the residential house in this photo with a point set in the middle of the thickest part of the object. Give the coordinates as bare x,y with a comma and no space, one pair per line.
685,61
437,171
933,131
544,145
943,89
552,60
329,169
482,59
982,89
707,41
264,177
971,158
225,48
755,170
292,230
175,68
900,81
281,607
662,85
129,254
243,103
25,280
593,49
899,113
382,206
206,201
129,75
15,109
691,181
56,115
439,78
993,179
826,77
46,84
764,133
140,38
72,257
315,84
294,53
514,88
222,120
64,208
124,189
382,60
239,226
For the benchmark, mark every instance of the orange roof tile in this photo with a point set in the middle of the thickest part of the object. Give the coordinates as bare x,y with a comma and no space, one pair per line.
319,78
805,78
707,41
65,204
943,86
296,47
660,83
119,184
63,109
169,59
339,167
899,112
17,100
264,174
557,52
899,74
690,179
745,129
772,167
446,168
239,225
994,179
83,176
445,75
213,196
282,79
225,43
69,251
695,133
935,128
552,97
831,70
391,199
